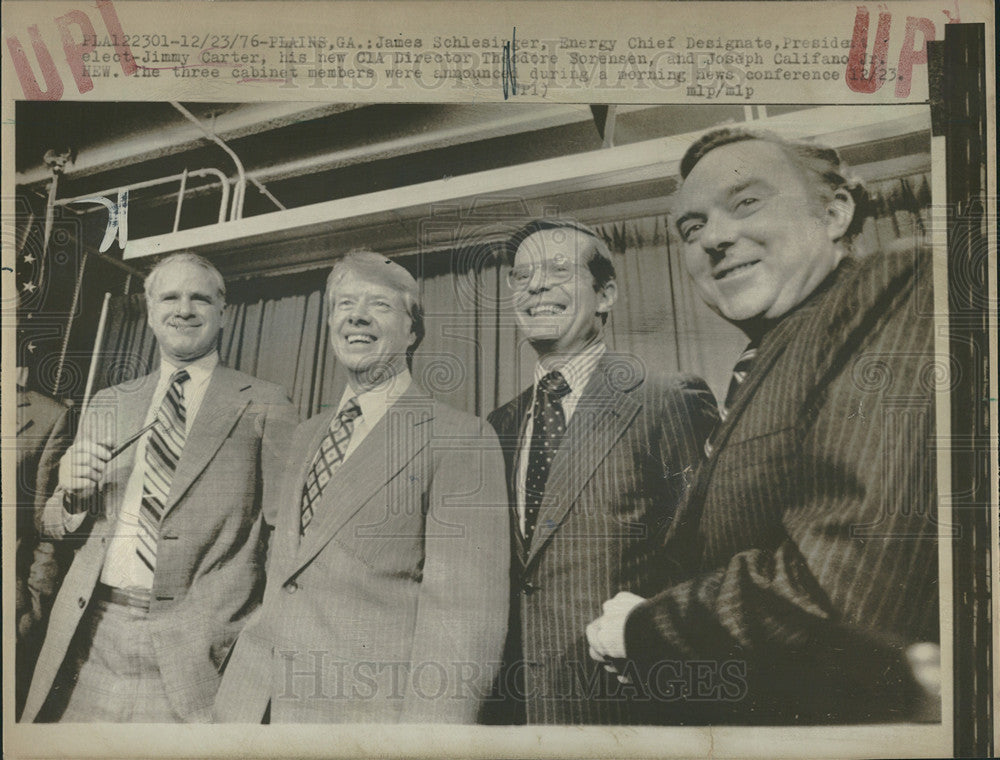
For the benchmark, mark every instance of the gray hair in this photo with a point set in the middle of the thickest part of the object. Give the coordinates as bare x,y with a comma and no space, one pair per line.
187,257
378,268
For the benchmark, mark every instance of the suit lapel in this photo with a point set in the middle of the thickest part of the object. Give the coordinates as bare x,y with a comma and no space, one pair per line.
689,512
397,438
602,414
511,424
130,409
226,398
304,460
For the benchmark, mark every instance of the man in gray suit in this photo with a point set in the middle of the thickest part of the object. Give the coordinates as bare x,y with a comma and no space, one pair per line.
599,455
163,488
805,567
386,596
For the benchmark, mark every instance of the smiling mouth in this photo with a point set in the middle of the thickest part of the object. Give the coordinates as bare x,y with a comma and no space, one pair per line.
724,273
546,310
360,339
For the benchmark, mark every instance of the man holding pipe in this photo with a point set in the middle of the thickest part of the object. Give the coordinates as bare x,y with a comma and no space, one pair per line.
163,491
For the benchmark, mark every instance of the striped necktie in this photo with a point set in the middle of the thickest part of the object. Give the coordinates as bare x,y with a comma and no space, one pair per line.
743,366
163,450
328,458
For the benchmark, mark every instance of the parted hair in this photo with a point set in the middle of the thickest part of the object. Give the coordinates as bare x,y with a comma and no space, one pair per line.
379,268
818,162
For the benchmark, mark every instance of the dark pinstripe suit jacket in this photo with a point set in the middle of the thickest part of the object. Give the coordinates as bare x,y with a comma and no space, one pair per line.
621,470
811,529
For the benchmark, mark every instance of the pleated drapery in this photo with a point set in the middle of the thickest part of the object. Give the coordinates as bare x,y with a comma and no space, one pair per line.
473,356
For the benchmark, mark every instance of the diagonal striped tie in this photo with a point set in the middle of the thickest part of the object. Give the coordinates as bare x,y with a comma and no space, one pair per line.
740,372
743,366
328,459
163,449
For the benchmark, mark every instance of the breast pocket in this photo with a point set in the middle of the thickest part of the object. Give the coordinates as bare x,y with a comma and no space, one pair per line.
387,533
752,482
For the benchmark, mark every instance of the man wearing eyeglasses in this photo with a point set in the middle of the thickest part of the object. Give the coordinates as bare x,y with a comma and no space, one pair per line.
598,456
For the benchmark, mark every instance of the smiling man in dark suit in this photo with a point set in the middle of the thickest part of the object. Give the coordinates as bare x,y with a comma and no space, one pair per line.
386,599
598,457
163,487
806,557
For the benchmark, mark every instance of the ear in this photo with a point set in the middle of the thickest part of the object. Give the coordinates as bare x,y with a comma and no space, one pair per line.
607,296
839,213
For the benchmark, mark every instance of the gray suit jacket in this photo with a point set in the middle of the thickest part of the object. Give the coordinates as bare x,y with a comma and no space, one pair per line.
209,569
393,607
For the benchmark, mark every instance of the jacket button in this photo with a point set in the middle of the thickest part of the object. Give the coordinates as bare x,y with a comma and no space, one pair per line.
291,587
81,602
530,588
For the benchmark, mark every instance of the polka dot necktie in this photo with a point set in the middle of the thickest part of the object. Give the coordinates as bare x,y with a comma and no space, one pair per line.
328,459
548,429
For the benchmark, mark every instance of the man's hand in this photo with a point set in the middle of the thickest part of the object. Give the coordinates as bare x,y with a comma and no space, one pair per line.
606,635
82,467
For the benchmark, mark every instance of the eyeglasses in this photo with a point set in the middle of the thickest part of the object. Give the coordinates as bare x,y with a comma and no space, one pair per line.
555,271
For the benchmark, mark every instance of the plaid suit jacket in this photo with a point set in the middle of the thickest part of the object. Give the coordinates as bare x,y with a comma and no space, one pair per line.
805,559
392,608
209,563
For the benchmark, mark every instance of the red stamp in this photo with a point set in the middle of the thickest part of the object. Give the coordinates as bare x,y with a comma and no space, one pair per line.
867,72
79,41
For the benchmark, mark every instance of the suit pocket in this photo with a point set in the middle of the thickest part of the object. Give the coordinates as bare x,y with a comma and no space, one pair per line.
387,533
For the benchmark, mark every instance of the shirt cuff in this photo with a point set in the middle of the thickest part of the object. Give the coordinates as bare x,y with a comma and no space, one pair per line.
72,523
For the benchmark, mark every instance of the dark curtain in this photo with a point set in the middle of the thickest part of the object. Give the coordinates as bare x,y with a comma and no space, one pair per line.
472,356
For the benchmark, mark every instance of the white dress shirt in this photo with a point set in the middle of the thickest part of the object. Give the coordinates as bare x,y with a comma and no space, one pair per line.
122,566
374,404
576,371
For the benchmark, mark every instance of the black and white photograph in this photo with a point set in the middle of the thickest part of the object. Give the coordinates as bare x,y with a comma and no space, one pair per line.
498,418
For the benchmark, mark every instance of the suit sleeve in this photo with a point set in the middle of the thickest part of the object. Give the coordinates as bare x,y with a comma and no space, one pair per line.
819,604
464,595
50,516
687,416
765,615
278,424
44,576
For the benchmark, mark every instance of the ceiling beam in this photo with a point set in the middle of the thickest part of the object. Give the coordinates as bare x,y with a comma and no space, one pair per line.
397,219
173,135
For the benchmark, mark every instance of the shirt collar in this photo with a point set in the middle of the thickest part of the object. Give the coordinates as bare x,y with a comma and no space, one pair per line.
199,370
376,401
577,369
